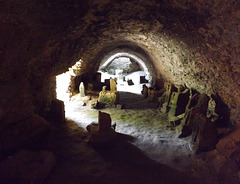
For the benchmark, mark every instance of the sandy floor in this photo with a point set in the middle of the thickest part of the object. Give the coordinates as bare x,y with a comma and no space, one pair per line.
147,148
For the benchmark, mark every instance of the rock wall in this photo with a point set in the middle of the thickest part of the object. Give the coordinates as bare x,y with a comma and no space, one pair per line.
194,43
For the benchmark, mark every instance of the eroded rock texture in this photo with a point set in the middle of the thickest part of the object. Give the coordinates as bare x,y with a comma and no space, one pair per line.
193,43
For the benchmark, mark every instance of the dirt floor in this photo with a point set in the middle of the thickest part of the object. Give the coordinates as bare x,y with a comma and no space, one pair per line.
147,149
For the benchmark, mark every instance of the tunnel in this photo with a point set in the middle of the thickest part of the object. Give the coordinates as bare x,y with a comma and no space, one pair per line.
169,73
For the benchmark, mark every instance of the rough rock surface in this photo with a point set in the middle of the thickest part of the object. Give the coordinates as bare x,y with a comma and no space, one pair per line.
228,174
230,143
188,42
225,159
26,166
32,131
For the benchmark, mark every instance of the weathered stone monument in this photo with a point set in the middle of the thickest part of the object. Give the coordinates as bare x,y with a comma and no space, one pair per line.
108,97
195,123
57,111
104,122
177,104
144,91
113,85
82,89
164,100
103,132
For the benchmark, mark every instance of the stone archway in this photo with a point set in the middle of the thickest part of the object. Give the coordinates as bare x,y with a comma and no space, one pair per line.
128,69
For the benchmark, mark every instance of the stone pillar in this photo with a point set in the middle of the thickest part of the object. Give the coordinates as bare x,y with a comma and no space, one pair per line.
104,122
58,111
108,97
82,90
113,85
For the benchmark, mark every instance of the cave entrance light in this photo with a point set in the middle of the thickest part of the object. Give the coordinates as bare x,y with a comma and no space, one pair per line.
129,71
64,81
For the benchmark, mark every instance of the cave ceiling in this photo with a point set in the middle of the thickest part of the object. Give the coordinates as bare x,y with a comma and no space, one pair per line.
186,42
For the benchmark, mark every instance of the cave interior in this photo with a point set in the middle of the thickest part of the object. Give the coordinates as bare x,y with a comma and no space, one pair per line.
164,73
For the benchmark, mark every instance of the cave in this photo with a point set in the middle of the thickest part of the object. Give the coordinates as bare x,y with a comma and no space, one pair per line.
162,76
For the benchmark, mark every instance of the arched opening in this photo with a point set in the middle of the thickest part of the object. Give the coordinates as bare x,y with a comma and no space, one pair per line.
125,61
129,71
65,82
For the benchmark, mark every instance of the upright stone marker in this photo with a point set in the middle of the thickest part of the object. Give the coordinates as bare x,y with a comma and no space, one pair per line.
82,90
113,85
58,111
104,122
